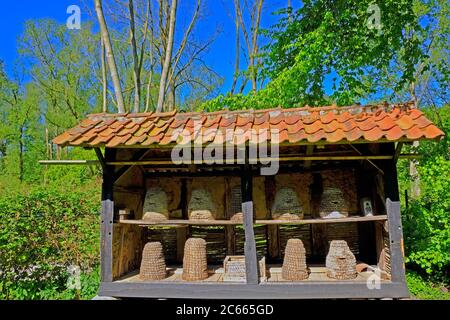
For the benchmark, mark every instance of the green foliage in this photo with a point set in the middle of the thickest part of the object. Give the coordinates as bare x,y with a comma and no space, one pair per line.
42,233
427,220
422,288
333,42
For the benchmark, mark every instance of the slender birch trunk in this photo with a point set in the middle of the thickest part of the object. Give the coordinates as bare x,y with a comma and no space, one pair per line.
168,57
110,56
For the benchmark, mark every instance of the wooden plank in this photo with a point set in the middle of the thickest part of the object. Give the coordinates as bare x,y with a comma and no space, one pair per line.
181,240
265,290
251,259
180,222
69,162
106,229
300,143
169,223
282,159
396,241
122,236
323,221
394,217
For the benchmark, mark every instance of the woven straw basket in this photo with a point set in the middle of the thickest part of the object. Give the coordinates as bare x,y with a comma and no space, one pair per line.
340,262
153,266
294,264
195,267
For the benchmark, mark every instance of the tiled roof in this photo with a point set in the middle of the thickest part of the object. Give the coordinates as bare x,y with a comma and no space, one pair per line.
305,125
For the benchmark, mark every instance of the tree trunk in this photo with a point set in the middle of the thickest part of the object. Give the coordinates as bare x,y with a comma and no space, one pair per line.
104,79
238,49
255,49
110,56
170,105
21,173
136,64
413,172
168,57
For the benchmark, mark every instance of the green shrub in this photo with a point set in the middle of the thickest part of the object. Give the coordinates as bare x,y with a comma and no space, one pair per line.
427,220
425,289
42,233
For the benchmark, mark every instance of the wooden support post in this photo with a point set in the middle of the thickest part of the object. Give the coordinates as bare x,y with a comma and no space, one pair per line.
309,151
106,228
398,151
396,241
251,259
230,233
182,232
100,157
273,236
394,217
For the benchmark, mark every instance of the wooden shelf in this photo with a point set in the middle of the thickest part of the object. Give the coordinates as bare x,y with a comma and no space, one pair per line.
171,223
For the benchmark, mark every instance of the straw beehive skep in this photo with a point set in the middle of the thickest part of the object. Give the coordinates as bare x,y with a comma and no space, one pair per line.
340,261
153,266
195,267
294,263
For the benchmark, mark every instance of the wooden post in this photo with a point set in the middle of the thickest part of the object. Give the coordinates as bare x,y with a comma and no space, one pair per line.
182,232
273,234
106,228
394,217
230,234
251,259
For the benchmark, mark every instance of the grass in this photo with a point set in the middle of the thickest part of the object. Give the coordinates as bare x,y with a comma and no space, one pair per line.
425,289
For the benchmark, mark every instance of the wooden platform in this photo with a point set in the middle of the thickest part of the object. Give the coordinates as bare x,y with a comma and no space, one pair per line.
317,274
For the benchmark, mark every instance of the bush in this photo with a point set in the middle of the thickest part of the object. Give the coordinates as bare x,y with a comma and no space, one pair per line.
425,289
42,234
427,220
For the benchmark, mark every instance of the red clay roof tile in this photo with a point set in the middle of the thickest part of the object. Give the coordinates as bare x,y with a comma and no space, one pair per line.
302,125
405,122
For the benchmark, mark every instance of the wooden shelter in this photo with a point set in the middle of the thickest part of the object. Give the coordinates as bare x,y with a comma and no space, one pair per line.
329,160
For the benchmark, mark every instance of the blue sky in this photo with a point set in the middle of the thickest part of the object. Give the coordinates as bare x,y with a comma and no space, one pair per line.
218,15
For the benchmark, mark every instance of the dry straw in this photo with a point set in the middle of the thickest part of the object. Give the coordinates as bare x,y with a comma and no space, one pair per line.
294,264
153,266
195,267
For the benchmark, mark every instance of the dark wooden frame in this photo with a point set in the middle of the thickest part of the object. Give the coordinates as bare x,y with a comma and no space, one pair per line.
396,288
